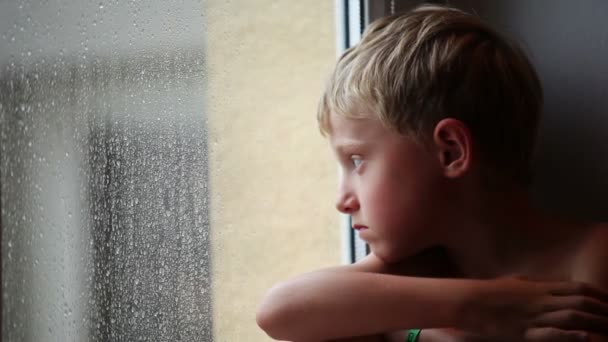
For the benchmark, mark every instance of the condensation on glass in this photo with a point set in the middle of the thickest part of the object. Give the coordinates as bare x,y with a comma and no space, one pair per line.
103,171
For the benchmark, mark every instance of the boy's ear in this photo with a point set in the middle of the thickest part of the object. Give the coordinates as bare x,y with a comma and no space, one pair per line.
454,145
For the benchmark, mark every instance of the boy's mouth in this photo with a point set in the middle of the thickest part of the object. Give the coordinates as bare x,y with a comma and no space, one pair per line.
359,227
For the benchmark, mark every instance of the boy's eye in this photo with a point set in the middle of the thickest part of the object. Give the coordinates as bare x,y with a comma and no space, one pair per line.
356,160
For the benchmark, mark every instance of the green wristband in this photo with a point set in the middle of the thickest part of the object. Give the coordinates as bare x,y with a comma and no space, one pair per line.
412,335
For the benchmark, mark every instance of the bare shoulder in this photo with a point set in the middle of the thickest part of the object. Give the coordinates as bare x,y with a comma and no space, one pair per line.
590,265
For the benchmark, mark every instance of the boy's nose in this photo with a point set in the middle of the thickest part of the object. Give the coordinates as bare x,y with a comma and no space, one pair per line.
347,203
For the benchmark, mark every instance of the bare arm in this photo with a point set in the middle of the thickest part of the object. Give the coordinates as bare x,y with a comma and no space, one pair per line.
362,299
318,305
350,301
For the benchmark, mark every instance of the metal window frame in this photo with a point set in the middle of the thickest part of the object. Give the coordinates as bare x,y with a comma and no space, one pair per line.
352,16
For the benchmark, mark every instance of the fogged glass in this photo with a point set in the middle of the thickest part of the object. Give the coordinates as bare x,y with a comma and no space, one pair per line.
103,171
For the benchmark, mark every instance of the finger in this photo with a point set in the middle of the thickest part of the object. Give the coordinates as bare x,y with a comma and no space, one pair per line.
579,303
572,320
578,288
554,335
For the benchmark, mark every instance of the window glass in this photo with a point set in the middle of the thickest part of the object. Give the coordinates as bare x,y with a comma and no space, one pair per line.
160,165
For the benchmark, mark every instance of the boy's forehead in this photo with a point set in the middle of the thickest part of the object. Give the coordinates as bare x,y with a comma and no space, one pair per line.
345,130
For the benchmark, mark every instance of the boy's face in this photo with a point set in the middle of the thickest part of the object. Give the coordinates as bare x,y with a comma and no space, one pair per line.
389,184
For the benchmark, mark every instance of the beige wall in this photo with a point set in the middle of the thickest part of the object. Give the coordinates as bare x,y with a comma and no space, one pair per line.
272,176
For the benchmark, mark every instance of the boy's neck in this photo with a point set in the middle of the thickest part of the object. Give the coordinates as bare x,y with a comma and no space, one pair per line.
502,233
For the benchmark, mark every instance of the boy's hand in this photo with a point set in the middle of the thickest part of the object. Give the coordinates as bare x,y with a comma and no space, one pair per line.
513,309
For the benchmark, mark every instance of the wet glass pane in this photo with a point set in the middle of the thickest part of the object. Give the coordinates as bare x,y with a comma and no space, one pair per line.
104,175
160,165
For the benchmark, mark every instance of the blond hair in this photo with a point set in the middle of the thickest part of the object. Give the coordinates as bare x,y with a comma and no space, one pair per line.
414,69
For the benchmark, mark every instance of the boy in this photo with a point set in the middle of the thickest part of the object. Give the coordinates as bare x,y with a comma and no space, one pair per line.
433,118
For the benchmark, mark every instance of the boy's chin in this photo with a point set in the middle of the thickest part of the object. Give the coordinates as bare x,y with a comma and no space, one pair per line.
393,254
398,254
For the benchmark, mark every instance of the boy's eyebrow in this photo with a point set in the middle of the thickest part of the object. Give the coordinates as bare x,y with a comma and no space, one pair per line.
349,144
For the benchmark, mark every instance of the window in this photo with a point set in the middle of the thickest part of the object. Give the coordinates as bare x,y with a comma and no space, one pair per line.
150,158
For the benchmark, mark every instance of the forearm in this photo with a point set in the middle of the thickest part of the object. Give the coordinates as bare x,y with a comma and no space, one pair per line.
327,305
372,338
427,335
